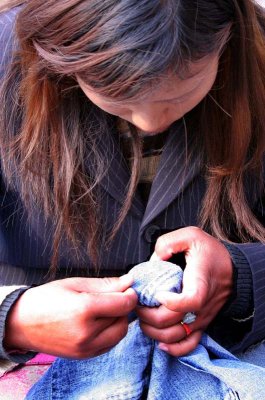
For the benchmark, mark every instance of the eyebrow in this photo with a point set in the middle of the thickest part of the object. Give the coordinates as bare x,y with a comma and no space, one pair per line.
109,101
118,103
155,101
176,98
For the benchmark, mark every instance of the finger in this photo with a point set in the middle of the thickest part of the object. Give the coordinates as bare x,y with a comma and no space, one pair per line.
110,304
159,317
173,242
183,347
99,285
181,303
101,351
169,335
109,337
195,290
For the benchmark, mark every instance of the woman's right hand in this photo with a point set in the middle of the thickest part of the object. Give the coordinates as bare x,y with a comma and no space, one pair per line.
73,318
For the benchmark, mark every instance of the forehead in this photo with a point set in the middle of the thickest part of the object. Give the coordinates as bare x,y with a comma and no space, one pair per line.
167,85
182,83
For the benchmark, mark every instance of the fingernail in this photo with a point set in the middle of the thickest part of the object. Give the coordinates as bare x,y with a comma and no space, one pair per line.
163,346
161,297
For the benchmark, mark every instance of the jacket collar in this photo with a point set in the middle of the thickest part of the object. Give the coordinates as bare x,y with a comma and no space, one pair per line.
172,177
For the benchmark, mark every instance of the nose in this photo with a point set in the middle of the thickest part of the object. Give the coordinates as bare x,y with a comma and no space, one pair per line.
151,119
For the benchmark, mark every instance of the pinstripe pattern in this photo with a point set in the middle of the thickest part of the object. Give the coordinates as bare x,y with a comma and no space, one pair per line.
172,177
175,198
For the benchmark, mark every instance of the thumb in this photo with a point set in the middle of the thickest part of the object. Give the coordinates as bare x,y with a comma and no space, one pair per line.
192,297
98,285
176,302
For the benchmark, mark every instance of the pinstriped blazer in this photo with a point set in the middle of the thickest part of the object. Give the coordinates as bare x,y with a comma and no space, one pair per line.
175,200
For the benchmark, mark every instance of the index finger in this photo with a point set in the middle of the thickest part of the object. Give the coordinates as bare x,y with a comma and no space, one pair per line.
175,242
160,317
115,304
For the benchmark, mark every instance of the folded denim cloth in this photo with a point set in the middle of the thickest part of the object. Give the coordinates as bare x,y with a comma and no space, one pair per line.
137,369
151,277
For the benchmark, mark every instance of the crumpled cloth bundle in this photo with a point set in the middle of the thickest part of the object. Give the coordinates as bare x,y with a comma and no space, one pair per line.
137,369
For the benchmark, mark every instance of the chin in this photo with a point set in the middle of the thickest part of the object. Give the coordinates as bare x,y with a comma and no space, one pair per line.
153,132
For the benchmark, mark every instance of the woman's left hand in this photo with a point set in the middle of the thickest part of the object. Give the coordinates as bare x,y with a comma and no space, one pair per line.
207,285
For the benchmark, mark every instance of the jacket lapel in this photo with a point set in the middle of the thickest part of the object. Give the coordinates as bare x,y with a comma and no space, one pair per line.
173,175
117,175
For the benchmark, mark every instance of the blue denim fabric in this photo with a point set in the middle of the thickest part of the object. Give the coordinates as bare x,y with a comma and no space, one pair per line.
137,369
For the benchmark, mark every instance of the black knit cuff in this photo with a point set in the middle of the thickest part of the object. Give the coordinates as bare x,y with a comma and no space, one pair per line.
4,309
241,303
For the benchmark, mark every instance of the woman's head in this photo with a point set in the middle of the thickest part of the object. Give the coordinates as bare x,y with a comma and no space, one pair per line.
122,48
162,103
129,54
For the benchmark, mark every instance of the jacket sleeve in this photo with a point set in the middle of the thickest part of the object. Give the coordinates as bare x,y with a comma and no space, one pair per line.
243,322
255,255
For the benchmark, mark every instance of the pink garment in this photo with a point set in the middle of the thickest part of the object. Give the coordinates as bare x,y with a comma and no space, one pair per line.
41,359
15,384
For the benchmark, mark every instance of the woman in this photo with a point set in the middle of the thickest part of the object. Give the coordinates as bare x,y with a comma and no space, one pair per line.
89,90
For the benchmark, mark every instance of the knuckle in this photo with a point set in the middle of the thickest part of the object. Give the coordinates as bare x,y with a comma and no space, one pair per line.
195,231
165,337
195,228
78,348
107,281
160,321
132,301
78,354
192,343
161,243
81,340
84,304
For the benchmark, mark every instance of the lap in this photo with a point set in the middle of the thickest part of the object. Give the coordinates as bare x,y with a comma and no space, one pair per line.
15,384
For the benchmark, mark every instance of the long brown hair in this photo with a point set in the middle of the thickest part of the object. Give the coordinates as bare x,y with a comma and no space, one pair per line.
49,129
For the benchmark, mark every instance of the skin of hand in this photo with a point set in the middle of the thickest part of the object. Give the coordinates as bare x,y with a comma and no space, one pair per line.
207,285
74,318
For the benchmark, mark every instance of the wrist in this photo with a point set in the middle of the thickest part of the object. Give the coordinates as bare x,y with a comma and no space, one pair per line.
14,333
10,348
